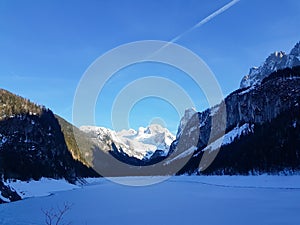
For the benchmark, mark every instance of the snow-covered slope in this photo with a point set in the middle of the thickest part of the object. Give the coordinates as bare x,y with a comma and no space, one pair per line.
140,144
42,187
228,138
276,61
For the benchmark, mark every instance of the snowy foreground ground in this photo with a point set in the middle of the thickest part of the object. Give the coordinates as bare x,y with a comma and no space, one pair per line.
236,200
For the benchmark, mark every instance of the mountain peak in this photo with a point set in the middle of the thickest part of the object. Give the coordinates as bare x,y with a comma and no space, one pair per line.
139,144
279,54
188,113
276,61
296,50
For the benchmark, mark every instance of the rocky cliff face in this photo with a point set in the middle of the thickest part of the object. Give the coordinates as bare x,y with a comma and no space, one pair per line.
263,103
248,112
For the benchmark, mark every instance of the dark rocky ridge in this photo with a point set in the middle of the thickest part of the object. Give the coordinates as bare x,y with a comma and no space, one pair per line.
268,106
32,144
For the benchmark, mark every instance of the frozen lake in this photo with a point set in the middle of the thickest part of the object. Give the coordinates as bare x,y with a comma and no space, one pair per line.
212,200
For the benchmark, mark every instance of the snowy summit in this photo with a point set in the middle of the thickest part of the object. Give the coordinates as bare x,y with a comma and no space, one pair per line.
140,144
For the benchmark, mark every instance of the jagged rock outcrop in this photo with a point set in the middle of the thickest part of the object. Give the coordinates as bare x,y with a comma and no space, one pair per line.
276,61
7,194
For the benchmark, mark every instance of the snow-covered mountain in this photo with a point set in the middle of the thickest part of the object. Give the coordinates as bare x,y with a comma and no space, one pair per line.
276,61
140,144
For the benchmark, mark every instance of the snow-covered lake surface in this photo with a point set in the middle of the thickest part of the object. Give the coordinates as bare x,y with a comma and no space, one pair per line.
224,200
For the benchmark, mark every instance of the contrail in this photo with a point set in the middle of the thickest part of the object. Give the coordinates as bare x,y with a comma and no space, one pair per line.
204,21
214,14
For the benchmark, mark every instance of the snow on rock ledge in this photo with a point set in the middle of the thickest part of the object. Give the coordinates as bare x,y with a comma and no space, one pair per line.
230,137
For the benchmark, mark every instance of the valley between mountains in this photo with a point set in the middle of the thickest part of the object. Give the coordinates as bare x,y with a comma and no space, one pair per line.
261,134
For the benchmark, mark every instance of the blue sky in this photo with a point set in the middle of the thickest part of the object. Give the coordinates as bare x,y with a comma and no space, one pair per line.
46,46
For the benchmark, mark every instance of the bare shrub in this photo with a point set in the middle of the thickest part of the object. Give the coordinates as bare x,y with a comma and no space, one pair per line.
56,216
